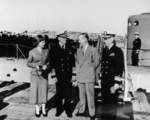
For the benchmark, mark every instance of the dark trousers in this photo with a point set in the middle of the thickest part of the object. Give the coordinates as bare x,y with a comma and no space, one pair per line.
135,58
107,83
63,96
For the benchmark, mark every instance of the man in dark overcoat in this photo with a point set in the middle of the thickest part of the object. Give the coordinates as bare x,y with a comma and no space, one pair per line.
62,60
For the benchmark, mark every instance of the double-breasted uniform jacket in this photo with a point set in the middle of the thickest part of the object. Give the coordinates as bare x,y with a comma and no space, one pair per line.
86,64
63,61
39,84
112,64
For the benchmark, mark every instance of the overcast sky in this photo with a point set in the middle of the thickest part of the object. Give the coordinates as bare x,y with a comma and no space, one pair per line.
75,15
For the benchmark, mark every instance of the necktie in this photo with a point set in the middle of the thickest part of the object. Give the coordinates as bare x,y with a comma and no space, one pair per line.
63,46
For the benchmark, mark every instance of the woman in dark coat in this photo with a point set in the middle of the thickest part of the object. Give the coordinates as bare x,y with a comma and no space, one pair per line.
37,61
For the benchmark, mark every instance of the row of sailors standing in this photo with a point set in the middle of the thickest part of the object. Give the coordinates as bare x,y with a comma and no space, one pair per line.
62,59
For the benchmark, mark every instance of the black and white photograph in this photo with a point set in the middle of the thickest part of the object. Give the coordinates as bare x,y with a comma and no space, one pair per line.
74,60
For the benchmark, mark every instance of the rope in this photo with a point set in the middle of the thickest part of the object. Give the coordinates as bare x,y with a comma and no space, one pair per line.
130,49
12,44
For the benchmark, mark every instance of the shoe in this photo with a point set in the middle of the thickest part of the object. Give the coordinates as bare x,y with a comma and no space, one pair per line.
58,114
37,115
92,117
69,115
45,114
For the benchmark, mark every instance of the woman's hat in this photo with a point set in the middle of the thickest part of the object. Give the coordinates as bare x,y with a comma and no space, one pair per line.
38,39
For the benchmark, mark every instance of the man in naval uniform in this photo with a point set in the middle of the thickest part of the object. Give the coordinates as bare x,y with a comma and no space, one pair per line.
112,66
62,60
136,49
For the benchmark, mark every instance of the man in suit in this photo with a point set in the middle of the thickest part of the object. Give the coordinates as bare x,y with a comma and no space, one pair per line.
112,66
62,60
86,63
136,49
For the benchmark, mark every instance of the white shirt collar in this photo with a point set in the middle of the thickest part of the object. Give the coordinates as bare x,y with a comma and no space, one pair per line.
110,46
